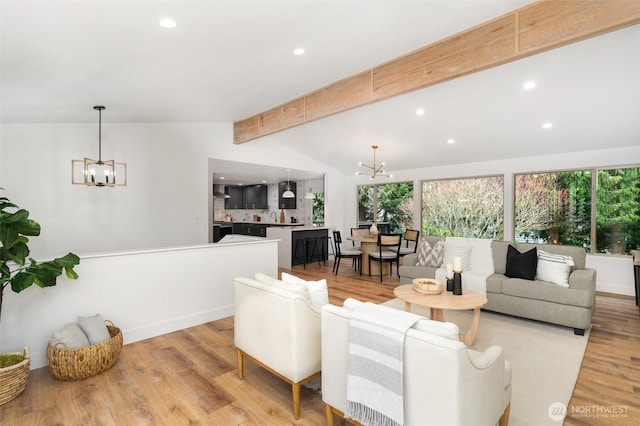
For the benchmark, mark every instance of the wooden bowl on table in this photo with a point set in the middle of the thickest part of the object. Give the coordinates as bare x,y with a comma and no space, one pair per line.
427,286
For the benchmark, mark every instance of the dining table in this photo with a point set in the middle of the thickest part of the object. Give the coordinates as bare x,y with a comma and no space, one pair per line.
368,244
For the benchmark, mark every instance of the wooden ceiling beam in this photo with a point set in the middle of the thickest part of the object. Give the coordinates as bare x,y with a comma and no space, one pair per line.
532,29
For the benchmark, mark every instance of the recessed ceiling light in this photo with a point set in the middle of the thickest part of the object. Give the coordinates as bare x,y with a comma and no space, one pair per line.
547,125
167,23
450,140
298,51
420,111
221,177
529,85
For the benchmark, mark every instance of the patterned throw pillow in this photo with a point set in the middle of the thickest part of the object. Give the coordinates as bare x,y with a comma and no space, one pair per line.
451,252
437,255
430,256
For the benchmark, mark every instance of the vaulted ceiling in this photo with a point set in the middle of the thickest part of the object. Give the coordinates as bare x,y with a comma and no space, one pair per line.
228,60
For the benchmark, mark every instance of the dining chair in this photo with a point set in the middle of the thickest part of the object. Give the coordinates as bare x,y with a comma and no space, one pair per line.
411,242
348,253
385,253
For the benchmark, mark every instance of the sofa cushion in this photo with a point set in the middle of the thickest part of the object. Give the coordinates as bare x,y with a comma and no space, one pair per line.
541,290
521,265
554,268
429,255
499,251
494,283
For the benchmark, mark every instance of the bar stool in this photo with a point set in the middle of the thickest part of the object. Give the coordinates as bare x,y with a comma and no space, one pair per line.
322,244
308,248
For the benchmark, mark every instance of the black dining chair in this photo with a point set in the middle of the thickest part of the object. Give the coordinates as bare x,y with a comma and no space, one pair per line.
348,253
386,242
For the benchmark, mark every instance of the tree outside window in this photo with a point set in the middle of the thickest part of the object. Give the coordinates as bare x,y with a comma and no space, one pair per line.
556,208
392,203
464,207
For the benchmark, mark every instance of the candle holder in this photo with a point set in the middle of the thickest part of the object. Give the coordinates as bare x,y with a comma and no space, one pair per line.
449,284
457,283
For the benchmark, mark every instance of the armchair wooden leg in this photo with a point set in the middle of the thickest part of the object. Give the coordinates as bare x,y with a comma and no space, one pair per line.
295,389
240,364
329,412
504,420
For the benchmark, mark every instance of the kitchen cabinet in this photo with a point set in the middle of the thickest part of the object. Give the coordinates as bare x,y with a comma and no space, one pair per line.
253,229
235,197
247,197
255,197
287,203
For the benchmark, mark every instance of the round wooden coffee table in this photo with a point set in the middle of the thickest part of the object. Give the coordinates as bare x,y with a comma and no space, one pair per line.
445,300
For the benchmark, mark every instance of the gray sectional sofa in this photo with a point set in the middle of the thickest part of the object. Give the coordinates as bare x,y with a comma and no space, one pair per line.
533,299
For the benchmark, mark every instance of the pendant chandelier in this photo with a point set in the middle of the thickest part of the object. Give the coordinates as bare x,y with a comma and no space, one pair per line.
376,170
288,193
98,172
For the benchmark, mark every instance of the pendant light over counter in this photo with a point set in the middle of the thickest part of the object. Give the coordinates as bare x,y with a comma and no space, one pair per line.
288,193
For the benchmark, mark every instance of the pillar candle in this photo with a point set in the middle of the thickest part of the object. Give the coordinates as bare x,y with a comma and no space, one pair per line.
457,264
450,270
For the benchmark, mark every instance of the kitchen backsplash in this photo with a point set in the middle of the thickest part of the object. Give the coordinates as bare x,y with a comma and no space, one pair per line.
269,216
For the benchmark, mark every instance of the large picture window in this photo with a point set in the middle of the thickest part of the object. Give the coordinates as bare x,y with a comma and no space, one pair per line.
560,208
470,207
391,204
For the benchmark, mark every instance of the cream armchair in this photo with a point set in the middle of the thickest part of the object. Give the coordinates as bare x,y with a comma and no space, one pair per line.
276,326
444,382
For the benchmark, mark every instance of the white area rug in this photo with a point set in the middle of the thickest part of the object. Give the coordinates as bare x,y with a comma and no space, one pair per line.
545,359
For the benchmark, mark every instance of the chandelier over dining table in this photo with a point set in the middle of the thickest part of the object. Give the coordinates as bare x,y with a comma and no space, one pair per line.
376,170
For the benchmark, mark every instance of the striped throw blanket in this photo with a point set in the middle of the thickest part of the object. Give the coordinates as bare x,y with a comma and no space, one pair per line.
375,364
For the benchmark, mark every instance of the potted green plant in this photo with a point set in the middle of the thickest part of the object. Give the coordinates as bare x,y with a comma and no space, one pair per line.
19,271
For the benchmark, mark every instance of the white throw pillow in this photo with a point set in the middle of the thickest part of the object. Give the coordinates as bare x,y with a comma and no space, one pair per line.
95,328
317,289
296,287
451,252
554,268
71,336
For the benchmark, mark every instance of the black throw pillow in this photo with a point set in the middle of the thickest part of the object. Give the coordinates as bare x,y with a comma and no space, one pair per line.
521,265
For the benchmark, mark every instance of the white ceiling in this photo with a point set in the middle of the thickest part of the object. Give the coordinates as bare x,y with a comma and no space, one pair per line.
227,60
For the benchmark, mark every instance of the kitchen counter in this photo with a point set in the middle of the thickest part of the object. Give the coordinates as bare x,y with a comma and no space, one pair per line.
289,235
269,223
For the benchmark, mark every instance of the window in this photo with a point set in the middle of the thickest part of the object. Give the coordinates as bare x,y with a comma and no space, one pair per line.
559,208
318,209
391,204
464,207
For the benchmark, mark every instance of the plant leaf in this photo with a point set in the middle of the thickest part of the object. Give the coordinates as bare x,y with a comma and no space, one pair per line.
21,281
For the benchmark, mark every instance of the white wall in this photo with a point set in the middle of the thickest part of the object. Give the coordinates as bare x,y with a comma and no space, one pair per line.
615,273
166,202
145,293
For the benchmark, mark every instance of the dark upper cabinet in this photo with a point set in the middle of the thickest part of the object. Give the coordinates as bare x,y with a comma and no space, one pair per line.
287,203
247,197
235,200
255,197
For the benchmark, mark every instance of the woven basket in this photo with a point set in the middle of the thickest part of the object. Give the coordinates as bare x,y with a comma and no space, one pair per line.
13,380
86,361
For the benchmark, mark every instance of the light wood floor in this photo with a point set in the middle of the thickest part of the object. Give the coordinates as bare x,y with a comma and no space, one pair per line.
189,377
